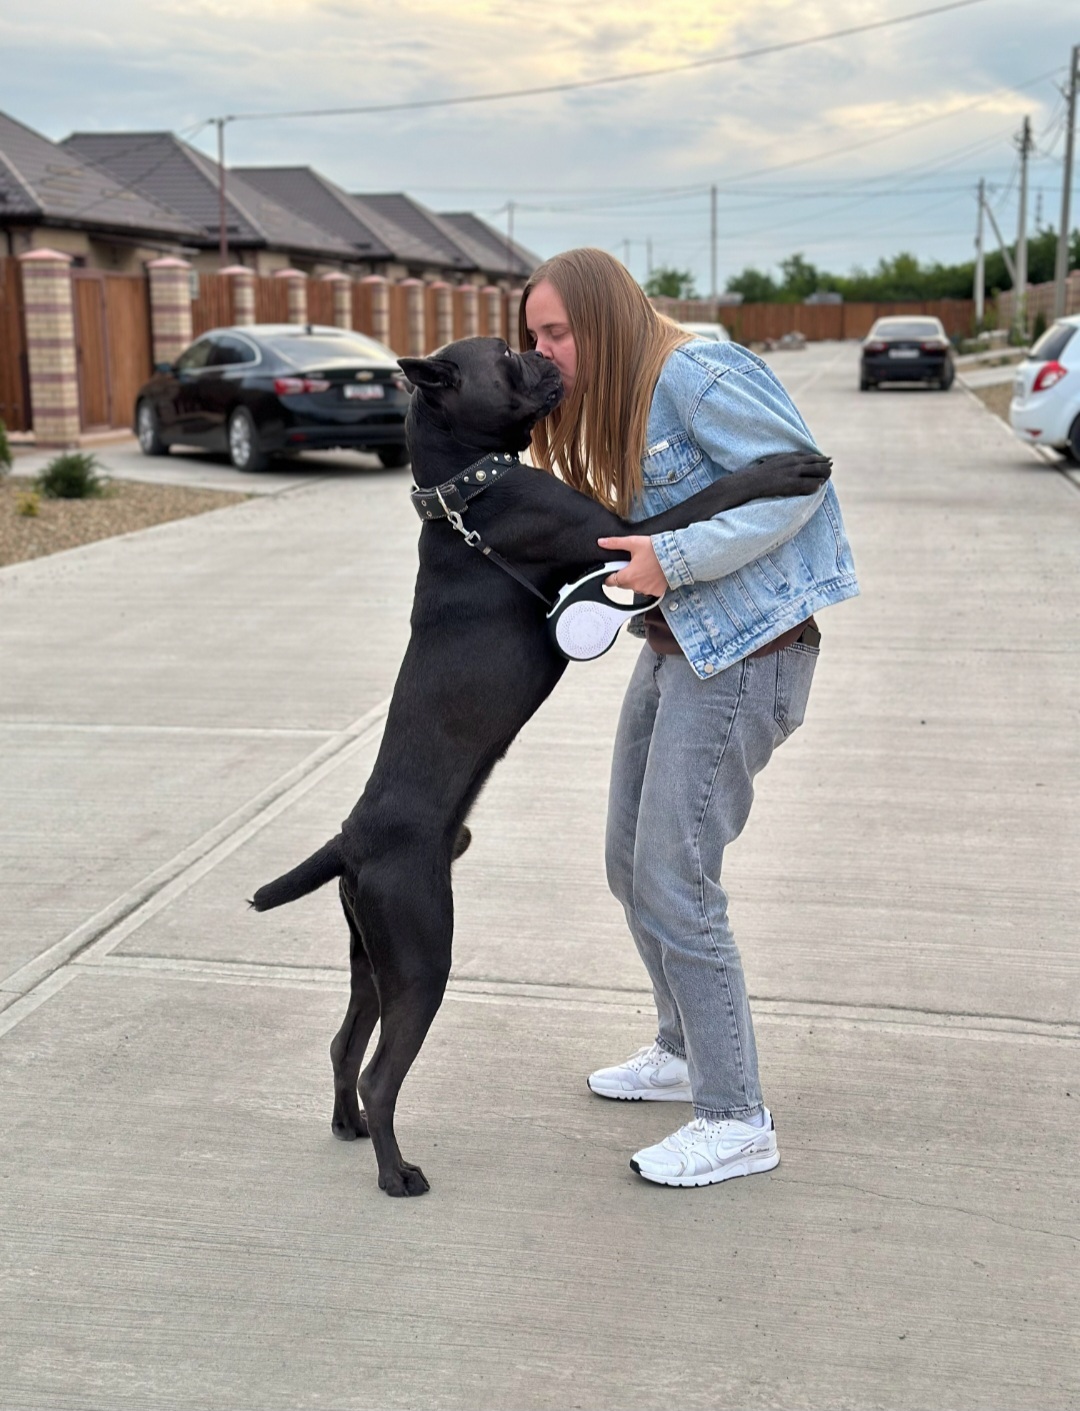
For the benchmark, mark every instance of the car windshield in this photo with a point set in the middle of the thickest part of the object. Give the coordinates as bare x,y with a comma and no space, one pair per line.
306,349
908,328
1053,343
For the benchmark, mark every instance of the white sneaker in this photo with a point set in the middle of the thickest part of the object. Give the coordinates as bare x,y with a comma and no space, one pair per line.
705,1151
652,1075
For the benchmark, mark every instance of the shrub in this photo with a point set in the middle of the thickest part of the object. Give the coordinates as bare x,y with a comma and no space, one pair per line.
28,504
71,476
1038,328
5,450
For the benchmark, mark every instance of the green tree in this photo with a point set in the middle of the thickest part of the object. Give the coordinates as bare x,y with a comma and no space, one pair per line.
670,283
799,279
755,287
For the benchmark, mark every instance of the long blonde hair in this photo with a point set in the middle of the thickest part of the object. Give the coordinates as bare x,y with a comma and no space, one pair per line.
595,439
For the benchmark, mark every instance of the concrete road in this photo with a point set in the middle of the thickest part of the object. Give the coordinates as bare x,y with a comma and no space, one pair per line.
185,712
121,458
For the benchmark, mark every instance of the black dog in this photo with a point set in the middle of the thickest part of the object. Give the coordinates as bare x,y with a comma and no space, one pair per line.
479,663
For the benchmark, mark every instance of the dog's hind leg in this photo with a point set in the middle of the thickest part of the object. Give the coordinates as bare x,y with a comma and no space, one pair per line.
411,985
351,1040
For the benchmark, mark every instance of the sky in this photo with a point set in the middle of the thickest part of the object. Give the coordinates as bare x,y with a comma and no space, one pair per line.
846,150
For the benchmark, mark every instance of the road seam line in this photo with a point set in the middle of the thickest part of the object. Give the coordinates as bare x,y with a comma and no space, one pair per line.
1007,1028
101,933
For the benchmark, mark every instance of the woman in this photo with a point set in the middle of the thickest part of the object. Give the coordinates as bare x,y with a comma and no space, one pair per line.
651,415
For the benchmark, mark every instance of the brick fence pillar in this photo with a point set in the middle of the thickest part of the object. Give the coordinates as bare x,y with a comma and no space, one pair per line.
470,310
50,347
341,285
379,293
243,293
170,307
443,297
492,297
414,317
513,307
297,293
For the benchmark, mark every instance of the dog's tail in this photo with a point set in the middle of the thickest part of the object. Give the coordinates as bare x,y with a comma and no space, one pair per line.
321,867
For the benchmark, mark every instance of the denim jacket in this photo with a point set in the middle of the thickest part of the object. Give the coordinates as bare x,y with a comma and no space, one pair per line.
742,578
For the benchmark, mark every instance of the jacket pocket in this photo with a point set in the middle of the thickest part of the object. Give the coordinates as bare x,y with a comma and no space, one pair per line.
674,469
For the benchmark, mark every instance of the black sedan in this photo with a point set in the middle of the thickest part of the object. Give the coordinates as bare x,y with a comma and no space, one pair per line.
907,349
277,388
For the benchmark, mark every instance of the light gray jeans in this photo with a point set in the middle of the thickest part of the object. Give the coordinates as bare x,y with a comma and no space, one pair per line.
686,753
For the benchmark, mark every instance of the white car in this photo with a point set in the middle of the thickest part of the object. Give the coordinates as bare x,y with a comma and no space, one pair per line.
1045,407
714,332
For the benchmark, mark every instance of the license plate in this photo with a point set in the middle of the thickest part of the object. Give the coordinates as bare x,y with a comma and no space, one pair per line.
364,392
903,352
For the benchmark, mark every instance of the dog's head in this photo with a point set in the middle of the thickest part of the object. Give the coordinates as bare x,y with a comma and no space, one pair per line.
482,393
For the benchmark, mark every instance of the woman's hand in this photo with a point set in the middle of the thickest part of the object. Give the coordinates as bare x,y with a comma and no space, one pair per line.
643,573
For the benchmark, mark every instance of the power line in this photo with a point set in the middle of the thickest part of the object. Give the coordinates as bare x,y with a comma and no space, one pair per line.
607,80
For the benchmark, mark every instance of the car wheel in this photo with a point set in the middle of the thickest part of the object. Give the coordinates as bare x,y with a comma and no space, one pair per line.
865,385
148,432
392,456
947,381
1073,445
244,442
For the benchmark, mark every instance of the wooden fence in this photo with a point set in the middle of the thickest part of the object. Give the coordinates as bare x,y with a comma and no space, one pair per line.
212,306
113,327
112,344
14,373
754,323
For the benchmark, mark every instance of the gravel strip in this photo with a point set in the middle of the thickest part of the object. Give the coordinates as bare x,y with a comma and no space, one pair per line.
126,506
996,397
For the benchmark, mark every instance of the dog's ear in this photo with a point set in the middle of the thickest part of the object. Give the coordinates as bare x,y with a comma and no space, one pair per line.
431,374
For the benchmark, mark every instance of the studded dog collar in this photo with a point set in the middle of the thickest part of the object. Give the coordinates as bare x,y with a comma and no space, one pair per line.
455,493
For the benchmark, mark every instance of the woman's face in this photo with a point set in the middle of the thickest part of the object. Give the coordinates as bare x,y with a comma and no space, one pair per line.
546,320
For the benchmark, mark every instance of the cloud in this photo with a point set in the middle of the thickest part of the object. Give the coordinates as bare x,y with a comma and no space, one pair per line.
185,60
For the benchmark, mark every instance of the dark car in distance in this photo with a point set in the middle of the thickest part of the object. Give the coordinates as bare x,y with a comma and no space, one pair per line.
265,389
907,348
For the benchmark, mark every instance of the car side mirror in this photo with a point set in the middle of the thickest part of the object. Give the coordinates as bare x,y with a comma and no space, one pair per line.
164,367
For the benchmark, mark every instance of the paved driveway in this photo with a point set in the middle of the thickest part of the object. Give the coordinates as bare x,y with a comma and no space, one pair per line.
185,712
204,470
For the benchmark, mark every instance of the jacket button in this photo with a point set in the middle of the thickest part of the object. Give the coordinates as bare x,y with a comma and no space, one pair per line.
671,475
674,607
709,668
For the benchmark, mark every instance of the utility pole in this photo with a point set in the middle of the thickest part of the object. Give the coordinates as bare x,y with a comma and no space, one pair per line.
626,253
712,244
648,258
223,237
1020,302
980,262
510,239
1061,264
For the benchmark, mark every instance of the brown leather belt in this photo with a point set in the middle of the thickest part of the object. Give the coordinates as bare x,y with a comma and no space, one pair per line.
662,640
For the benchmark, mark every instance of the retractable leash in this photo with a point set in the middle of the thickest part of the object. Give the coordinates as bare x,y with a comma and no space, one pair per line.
583,622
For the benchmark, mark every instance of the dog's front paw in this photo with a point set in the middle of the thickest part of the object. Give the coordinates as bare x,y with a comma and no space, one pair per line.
406,1180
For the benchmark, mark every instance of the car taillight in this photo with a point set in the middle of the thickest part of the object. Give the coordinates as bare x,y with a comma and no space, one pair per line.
292,386
1049,375
874,347
933,345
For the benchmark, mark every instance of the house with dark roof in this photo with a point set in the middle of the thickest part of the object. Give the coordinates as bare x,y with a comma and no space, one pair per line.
502,260
397,237
50,196
315,198
261,232
428,230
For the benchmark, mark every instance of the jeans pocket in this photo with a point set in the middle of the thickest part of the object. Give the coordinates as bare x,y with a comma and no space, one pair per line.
794,677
